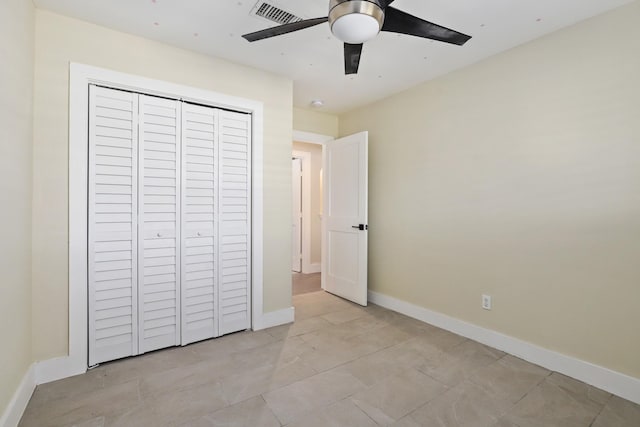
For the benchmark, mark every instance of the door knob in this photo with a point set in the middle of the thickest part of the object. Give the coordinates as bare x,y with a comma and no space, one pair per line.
198,234
360,227
158,235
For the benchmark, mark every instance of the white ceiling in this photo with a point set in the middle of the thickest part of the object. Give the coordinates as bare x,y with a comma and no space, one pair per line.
314,59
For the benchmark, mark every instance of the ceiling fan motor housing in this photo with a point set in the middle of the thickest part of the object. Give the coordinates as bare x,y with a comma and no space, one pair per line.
355,21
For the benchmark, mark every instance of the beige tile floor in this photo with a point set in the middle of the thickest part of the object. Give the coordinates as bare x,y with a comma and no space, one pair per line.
305,283
338,365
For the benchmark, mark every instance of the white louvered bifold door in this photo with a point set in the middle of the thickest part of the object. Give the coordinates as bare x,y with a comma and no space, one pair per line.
159,223
234,221
169,223
199,228
112,228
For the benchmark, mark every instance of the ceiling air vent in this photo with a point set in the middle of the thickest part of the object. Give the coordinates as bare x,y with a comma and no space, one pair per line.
274,13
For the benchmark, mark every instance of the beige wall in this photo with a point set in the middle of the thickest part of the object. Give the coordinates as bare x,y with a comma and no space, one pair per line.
519,177
61,40
16,87
316,208
315,122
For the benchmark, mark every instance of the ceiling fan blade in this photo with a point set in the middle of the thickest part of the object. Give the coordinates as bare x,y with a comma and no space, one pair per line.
352,54
284,29
385,3
397,21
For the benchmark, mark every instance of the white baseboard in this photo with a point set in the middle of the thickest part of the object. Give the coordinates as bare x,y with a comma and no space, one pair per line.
274,318
13,413
606,379
63,367
57,369
66,366
312,268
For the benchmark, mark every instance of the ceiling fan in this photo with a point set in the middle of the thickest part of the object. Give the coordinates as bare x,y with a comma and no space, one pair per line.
356,21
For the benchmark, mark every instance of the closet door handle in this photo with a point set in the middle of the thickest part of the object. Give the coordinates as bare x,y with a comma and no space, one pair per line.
158,235
198,234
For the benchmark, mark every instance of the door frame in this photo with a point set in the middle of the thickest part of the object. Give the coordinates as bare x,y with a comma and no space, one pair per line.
309,138
80,76
305,158
300,212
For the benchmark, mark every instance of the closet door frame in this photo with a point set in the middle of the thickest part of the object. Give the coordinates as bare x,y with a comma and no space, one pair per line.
81,76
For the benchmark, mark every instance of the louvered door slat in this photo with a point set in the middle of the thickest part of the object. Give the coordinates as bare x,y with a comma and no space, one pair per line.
234,221
113,123
199,236
159,227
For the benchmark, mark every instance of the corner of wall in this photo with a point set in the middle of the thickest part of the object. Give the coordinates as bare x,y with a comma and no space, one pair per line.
15,409
17,44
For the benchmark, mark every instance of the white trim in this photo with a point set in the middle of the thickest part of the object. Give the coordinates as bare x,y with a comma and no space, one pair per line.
614,382
78,205
297,214
257,217
58,368
305,156
316,267
311,138
18,403
275,318
80,76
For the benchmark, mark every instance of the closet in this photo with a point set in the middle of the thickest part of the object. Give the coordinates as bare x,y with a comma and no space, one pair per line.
169,223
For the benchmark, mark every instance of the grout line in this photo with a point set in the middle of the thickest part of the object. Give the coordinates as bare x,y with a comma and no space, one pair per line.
534,387
360,409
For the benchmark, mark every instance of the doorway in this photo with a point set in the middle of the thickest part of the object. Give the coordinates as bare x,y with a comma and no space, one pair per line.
306,227
342,226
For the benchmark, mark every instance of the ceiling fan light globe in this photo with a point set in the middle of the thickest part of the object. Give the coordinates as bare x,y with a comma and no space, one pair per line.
355,21
355,28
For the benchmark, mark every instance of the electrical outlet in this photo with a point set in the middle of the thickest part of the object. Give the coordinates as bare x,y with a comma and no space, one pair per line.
486,302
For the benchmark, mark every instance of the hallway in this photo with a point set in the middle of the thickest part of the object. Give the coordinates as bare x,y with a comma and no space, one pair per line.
305,283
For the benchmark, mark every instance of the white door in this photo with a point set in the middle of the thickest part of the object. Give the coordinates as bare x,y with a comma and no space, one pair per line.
169,223
159,223
112,246
296,214
234,223
199,223
344,266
